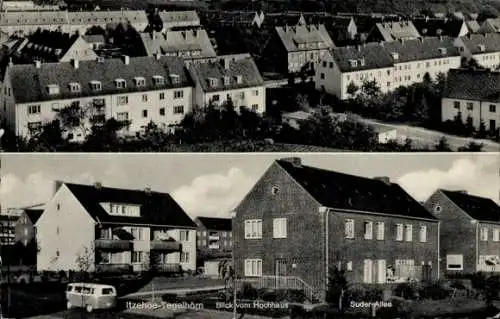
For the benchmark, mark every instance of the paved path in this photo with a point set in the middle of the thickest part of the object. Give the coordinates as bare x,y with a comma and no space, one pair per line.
423,136
173,291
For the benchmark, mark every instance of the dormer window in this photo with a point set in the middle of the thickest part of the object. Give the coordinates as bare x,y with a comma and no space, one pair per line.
140,82
174,78
226,80
53,89
481,47
395,55
212,82
239,79
74,87
96,86
442,51
362,62
353,63
158,80
120,83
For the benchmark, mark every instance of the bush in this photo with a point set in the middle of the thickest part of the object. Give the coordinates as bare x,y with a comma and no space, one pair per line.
371,294
249,292
406,290
434,291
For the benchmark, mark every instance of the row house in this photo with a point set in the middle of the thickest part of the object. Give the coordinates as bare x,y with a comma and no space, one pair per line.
182,43
115,230
298,222
393,31
214,234
389,64
136,91
473,94
470,232
490,25
484,48
178,19
234,78
81,21
294,49
434,27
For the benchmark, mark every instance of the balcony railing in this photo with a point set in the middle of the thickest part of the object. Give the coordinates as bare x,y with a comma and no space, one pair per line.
488,268
163,245
113,244
169,268
213,237
114,268
213,246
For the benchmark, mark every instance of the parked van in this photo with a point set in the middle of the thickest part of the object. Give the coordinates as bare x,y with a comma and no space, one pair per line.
90,296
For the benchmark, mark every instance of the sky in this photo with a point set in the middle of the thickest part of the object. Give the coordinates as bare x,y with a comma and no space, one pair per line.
213,184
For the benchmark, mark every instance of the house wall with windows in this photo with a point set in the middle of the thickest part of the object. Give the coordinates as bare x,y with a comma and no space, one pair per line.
488,112
253,98
408,73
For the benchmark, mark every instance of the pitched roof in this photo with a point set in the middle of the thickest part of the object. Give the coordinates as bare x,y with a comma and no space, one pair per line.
174,16
229,68
493,23
33,214
422,49
391,31
310,36
466,84
19,18
368,56
338,190
436,27
475,43
155,208
105,17
50,46
29,83
94,38
473,26
215,223
178,41
479,208
282,19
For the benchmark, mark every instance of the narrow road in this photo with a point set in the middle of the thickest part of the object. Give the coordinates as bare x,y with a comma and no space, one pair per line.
425,137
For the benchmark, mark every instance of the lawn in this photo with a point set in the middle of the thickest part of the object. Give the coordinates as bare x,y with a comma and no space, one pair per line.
430,308
162,283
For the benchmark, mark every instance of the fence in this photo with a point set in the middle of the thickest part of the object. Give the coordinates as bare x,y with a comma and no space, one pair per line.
278,282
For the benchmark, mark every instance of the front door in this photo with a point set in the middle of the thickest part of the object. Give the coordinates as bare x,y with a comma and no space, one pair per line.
281,273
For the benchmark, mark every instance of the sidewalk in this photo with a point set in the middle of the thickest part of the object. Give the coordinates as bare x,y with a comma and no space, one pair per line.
172,291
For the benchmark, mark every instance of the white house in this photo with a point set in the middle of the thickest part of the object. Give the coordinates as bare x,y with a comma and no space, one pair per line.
484,48
115,229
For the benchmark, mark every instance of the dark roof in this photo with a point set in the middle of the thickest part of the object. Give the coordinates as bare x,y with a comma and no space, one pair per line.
396,30
50,46
435,26
33,214
156,208
422,49
475,43
479,208
373,54
30,83
94,38
343,191
215,223
467,84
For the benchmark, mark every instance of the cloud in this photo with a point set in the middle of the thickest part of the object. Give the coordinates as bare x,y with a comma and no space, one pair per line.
214,194
478,176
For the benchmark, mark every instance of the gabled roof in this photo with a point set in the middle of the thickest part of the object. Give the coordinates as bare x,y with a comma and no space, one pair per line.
243,67
293,37
349,192
422,49
178,41
20,18
492,23
155,208
216,223
105,17
282,19
29,83
479,208
33,214
473,26
476,85
373,55
175,16
436,27
94,38
490,42
391,31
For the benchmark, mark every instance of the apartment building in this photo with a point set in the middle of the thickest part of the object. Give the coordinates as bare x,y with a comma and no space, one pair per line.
484,48
299,221
183,43
26,6
81,21
346,66
228,77
176,19
470,231
414,58
294,49
490,25
435,27
393,31
214,234
474,94
115,229
137,90
7,229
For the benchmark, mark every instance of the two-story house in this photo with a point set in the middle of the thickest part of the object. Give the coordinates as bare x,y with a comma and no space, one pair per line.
393,31
470,231
297,222
433,27
228,77
182,43
473,94
214,234
136,90
484,48
115,230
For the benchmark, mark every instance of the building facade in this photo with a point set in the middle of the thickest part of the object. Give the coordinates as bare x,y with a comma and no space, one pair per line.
484,48
214,234
25,225
115,230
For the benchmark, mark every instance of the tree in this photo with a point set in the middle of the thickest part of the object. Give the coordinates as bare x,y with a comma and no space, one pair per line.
226,272
336,293
471,147
352,90
301,102
442,145
370,88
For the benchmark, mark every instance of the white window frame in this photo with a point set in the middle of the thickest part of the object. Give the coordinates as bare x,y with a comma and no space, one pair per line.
399,232
460,261
253,229
408,232
349,227
183,235
496,234
483,234
423,234
279,227
184,257
368,230
367,271
380,230
253,267
122,100
139,255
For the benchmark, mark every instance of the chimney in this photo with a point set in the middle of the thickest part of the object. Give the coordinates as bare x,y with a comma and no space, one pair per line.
384,179
296,161
57,185
126,59
97,185
38,64
75,63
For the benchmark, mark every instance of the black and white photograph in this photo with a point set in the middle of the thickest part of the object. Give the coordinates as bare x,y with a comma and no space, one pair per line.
250,76
253,236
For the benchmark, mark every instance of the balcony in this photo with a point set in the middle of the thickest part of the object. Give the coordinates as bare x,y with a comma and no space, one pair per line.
114,268
113,244
213,246
171,268
213,237
166,246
